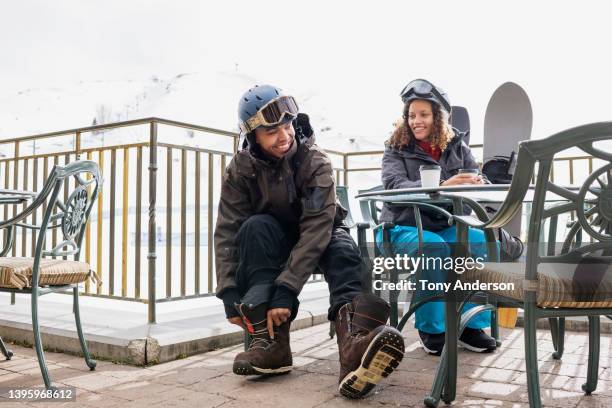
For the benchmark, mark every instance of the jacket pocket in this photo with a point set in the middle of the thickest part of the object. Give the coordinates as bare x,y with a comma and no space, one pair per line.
317,192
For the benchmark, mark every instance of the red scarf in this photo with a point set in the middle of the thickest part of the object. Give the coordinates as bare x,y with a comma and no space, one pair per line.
434,152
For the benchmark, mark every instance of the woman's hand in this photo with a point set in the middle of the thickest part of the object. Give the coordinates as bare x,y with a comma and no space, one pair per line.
465,178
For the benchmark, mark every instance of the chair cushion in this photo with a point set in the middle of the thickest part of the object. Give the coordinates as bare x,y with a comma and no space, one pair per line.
17,272
585,285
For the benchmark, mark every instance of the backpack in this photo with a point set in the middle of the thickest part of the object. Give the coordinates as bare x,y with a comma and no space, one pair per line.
498,169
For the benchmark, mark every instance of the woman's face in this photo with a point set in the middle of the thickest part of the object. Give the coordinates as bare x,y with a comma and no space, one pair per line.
420,119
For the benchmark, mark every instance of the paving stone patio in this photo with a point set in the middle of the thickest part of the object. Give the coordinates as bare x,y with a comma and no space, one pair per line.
205,380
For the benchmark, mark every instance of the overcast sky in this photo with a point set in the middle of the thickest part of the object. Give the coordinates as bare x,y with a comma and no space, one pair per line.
356,56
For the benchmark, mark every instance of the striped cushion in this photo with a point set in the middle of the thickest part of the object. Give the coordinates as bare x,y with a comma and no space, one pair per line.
559,285
17,272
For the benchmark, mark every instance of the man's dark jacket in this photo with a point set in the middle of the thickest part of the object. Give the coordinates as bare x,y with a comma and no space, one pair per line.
297,189
400,169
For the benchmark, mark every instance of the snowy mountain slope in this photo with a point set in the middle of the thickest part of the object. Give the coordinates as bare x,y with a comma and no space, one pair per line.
207,99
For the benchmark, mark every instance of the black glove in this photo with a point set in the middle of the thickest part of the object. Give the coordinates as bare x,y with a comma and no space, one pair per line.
302,127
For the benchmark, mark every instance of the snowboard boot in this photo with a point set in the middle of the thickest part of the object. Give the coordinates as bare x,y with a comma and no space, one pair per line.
265,356
369,349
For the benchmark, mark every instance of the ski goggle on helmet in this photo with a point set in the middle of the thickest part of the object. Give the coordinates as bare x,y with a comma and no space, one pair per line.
272,113
423,89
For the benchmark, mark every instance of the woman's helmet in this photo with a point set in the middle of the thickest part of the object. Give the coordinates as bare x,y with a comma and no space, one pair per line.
423,89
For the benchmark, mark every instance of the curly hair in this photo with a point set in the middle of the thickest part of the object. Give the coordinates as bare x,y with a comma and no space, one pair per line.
441,134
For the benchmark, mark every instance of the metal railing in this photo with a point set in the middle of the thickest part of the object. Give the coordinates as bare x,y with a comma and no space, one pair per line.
343,168
145,249
115,235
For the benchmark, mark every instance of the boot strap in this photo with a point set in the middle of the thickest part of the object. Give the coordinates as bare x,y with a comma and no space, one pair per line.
362,328
367,317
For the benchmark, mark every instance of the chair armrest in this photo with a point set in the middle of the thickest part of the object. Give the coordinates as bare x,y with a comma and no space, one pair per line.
428,206
384,226
362,225
9,240
469,221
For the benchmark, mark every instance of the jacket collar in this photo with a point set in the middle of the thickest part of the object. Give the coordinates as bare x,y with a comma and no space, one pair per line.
260,160
416,152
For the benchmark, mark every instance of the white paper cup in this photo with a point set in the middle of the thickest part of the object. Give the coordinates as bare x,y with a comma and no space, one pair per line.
430,175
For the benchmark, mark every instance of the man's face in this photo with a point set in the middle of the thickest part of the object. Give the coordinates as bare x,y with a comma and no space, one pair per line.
276,141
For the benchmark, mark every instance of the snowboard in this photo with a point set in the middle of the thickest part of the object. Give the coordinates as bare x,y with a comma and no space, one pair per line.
508,120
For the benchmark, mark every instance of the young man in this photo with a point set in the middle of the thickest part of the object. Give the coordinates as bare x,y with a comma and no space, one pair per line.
279,223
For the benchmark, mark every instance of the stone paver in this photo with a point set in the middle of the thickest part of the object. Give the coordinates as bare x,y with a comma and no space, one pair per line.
495,380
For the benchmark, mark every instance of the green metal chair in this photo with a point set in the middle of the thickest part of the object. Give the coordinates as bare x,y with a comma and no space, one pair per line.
556,281
44,273
342,194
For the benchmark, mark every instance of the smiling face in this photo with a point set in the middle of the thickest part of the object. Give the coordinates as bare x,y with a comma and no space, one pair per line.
275,141
421,119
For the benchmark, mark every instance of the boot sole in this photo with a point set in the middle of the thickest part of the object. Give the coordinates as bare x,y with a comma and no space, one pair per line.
246,368
382,356
430,351
474,348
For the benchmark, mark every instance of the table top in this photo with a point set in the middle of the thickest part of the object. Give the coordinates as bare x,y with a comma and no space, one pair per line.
15,196
483,193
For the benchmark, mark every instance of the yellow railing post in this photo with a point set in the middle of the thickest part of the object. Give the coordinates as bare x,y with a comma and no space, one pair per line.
124,223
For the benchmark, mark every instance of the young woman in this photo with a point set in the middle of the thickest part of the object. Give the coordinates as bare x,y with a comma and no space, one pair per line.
425,137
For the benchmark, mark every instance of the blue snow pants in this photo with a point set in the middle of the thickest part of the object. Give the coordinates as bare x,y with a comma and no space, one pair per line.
429,317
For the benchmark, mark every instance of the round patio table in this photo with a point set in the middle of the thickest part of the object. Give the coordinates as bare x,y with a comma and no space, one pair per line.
482,193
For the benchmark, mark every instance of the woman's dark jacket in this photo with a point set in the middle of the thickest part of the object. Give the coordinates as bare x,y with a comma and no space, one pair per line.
400,169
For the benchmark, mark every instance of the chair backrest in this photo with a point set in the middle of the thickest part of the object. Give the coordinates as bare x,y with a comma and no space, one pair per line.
343,197
69,217
77,209
369,210
460,119
592,204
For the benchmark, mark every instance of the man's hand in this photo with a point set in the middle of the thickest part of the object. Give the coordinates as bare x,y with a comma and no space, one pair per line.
464,178
276,317
237,320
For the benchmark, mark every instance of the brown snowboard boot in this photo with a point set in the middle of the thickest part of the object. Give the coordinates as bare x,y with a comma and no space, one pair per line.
369,349
265,356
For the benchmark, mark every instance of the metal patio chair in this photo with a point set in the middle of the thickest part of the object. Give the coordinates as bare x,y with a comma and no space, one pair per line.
51,271
342,194
555,281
